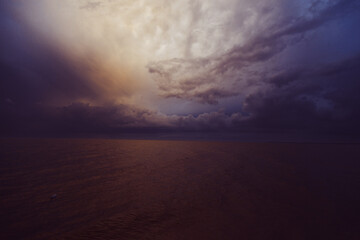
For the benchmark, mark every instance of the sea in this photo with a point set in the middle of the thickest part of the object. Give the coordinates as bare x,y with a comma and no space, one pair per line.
171,189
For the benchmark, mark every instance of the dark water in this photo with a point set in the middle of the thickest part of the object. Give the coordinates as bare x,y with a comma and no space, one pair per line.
132,189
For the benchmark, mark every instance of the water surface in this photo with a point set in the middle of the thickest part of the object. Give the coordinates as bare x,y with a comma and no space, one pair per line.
143,189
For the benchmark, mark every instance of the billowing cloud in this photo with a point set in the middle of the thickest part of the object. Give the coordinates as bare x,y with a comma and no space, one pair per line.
198,79
111,120
113,67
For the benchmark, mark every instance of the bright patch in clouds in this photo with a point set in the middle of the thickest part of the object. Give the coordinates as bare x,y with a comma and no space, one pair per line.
181,64
113,42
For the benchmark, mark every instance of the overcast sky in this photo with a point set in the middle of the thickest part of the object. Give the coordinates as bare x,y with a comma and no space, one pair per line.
107,68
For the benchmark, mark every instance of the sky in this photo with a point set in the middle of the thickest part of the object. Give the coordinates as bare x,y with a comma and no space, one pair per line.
116,67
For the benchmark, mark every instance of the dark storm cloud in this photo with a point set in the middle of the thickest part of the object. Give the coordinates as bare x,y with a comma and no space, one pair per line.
73,119
42,93
303,96
111,120
197,79
323,98
119,118
331,11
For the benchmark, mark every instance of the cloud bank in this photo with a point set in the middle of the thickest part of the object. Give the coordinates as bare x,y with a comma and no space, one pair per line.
113,67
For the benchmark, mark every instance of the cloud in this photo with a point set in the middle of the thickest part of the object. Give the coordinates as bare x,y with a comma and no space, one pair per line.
322,98
92,68
111,120
91,5
297,100
192,79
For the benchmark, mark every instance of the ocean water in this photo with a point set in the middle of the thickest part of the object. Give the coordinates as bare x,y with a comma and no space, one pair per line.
144,189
